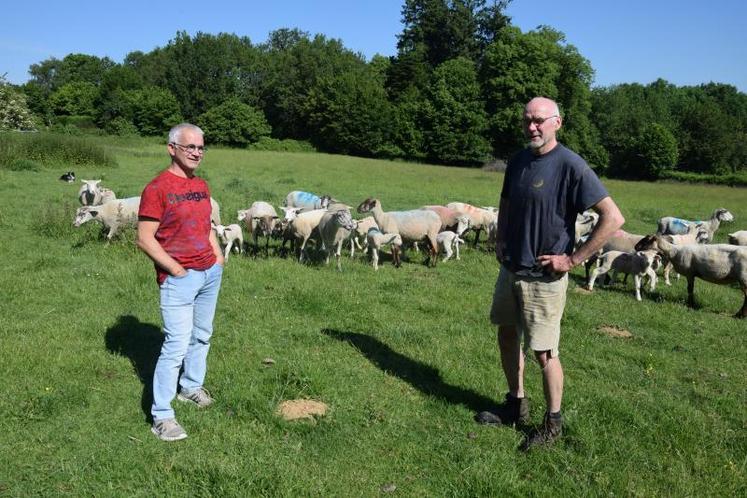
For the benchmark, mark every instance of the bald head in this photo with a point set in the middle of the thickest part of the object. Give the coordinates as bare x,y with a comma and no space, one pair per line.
541,123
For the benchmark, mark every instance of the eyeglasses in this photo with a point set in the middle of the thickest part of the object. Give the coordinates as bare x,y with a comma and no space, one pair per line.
191,148
538,121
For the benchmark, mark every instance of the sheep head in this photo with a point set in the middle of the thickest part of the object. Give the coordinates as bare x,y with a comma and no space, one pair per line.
367,205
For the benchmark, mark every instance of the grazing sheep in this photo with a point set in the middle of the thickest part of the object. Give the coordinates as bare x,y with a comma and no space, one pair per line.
68,177
716,263
335,227
639,263
448,216
413,226
306,200
738,238
112,214
228,235
358,236
676,226
376,239
480,219
91,194
449,241
303,227
214,211
260,220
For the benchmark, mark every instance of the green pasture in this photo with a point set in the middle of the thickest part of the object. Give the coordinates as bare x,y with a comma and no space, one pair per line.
403,357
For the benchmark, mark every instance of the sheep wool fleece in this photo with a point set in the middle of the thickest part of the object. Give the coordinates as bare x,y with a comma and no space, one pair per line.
182,206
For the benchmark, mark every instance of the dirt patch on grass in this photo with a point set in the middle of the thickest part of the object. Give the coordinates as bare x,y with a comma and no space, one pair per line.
612,331
581,290
296,409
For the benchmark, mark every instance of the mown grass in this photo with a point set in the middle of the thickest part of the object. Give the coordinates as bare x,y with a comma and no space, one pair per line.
402,357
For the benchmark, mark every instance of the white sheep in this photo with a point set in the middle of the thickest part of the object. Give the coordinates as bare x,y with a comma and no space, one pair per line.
228,236
92,194
376,239
335,227
640,264
306,200
260,220
669,225
302,228
738,238
480,218
716,263
358,236
449,242
112,214
214,211
412,226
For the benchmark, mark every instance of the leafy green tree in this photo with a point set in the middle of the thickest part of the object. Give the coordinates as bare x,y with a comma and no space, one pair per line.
292,66
351,114
74,99
454,117
154,110
113,101
14,113
653,152
234,123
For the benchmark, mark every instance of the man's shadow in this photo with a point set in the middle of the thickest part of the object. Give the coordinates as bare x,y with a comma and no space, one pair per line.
141,343
419,375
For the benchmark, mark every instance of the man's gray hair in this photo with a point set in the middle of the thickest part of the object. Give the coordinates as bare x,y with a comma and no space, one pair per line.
176,132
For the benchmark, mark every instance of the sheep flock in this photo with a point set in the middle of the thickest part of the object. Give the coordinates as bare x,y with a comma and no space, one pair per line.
330,226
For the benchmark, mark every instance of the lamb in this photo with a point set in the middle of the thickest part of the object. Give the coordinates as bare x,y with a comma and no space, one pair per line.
676,226
260,220
414,225
447,241
716,263
639,263
335,227
302,228
620,240
112,214
91,194
480,218
306,200
359,234
228,235
377,239
738,238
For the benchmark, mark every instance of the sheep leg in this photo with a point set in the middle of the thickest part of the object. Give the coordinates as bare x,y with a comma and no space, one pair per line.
651,279
337,255
456,249
395,257
375,258
227,251
433,252
743,312
594,274
447,250
637,282
690,291
667,269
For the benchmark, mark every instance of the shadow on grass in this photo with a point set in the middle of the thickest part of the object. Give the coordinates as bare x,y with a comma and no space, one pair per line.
141,343
419,375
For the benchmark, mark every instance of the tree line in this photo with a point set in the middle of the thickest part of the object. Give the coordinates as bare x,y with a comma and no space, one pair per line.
453,94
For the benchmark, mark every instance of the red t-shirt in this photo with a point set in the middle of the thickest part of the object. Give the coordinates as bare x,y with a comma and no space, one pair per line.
182,206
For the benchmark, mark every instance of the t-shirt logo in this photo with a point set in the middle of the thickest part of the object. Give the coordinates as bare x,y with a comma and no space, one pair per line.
538,183
189,196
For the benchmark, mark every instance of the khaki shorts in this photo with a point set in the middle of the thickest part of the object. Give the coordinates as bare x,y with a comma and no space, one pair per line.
533,304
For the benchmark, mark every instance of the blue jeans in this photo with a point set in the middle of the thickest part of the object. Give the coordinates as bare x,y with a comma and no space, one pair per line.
187,308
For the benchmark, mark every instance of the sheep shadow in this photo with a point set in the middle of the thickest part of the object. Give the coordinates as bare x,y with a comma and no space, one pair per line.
421,376
141,343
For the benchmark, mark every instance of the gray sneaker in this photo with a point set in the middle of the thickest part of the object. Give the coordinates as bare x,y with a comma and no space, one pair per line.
199,397
168,430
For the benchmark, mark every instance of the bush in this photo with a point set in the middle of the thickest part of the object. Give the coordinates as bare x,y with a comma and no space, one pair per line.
738,179
285,145
234,123
122,127
50,149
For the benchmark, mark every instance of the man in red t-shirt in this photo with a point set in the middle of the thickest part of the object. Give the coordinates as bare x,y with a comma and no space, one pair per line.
174,231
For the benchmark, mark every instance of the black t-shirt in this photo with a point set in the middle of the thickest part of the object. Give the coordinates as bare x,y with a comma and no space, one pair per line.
545,193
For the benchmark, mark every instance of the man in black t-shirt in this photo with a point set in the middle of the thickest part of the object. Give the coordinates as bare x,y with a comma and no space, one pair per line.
546,185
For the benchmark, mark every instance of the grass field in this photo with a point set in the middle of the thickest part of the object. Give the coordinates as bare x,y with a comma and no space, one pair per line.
403,357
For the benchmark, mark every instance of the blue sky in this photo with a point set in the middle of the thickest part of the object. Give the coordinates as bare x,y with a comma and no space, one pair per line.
686,42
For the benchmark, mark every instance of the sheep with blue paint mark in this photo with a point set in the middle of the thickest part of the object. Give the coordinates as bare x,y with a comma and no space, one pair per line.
306,201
